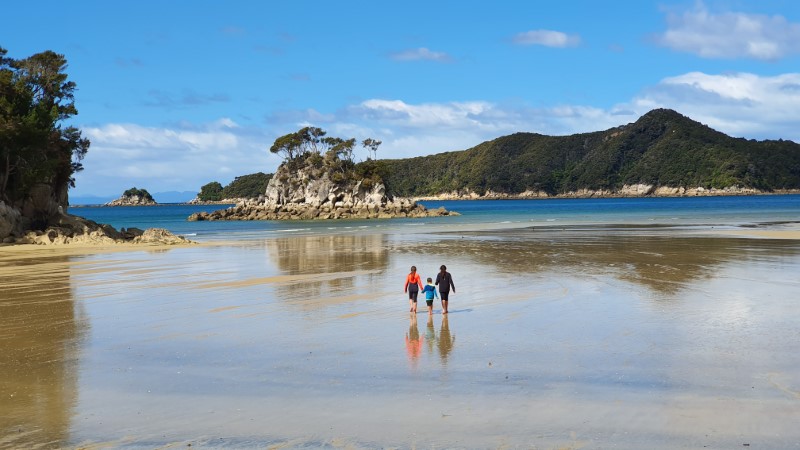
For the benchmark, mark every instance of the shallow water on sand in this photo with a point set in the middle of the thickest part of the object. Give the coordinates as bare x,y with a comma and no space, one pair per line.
596,337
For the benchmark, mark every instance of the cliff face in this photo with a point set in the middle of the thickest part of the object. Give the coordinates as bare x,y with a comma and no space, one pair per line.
310,192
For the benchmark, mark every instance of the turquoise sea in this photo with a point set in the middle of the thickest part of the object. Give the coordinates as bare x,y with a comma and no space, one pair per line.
698,212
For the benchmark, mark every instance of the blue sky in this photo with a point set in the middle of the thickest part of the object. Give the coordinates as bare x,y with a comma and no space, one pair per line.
179,93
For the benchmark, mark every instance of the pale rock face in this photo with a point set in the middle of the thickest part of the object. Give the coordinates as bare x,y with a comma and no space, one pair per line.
10,221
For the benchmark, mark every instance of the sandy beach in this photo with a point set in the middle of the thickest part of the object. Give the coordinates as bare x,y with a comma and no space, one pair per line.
557,338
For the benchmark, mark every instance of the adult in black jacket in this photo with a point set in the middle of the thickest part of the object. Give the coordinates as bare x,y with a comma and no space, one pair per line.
445,281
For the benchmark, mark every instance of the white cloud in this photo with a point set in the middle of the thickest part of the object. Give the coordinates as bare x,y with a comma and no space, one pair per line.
739,104
547,38
420,54
731,34
179,158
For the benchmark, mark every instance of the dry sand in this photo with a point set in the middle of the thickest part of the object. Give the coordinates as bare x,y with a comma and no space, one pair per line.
572,339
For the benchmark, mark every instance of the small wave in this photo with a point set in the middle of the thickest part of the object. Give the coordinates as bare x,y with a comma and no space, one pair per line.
189,234
290,230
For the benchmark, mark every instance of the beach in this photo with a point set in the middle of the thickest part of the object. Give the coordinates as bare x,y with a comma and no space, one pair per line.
584,336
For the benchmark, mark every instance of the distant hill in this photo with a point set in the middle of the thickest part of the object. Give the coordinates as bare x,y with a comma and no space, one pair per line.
663,149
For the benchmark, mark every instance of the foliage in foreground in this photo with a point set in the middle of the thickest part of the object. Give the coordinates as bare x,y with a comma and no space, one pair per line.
36,98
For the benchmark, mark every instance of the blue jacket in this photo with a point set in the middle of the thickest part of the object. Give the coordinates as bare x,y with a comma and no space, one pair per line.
430,292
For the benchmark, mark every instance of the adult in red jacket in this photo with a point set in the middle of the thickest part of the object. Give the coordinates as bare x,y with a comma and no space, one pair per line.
413,285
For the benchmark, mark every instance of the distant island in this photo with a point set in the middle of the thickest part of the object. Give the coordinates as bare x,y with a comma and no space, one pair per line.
133,197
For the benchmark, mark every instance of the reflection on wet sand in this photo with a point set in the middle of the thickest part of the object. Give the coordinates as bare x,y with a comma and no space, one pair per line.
413,341
41,332
304,255
658,262
445,341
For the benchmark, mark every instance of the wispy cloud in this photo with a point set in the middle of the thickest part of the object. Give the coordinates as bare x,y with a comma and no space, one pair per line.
420,54
128,62
547,38
185,99
730,34
233,31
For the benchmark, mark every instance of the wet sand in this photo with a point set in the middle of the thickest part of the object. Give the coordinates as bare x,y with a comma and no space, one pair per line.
557,338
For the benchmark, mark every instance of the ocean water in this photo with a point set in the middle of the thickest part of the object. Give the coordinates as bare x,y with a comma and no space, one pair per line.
696,212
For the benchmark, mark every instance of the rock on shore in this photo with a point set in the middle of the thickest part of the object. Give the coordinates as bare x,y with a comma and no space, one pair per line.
69,229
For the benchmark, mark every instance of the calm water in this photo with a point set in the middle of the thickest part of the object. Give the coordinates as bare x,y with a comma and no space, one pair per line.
694,211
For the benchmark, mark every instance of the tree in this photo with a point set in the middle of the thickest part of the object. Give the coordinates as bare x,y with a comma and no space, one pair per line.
35,99
211,192
372,146
293,145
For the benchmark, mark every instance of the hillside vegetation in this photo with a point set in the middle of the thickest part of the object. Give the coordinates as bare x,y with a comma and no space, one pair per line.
662,148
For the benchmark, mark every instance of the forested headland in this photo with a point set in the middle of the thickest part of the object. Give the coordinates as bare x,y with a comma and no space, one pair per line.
661,149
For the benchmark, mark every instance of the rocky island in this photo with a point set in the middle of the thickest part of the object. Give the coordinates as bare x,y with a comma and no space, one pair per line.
319,180
134,197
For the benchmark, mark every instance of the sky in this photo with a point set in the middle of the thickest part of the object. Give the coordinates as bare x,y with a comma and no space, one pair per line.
176,94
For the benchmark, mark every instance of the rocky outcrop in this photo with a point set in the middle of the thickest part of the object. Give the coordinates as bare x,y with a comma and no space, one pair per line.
311,193
635,190
132,200
69,229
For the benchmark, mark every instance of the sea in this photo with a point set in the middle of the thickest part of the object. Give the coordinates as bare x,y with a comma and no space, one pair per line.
681,212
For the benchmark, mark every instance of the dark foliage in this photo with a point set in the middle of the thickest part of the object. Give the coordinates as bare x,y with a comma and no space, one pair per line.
247,186
35,149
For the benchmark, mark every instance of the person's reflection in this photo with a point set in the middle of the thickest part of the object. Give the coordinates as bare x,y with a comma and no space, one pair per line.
413,342
445,341
430,334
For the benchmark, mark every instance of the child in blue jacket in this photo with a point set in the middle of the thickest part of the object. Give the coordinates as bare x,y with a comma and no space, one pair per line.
430,292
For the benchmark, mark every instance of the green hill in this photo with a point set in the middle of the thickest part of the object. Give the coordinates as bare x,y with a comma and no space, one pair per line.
663,148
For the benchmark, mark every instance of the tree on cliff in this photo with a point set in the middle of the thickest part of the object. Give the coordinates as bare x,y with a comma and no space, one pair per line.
372,146
35,149
311,146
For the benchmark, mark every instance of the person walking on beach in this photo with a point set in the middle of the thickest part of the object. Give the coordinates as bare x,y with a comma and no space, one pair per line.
430,292
445,281
413,285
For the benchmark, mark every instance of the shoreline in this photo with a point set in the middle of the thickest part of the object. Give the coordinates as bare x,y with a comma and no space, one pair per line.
632,192
528,195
